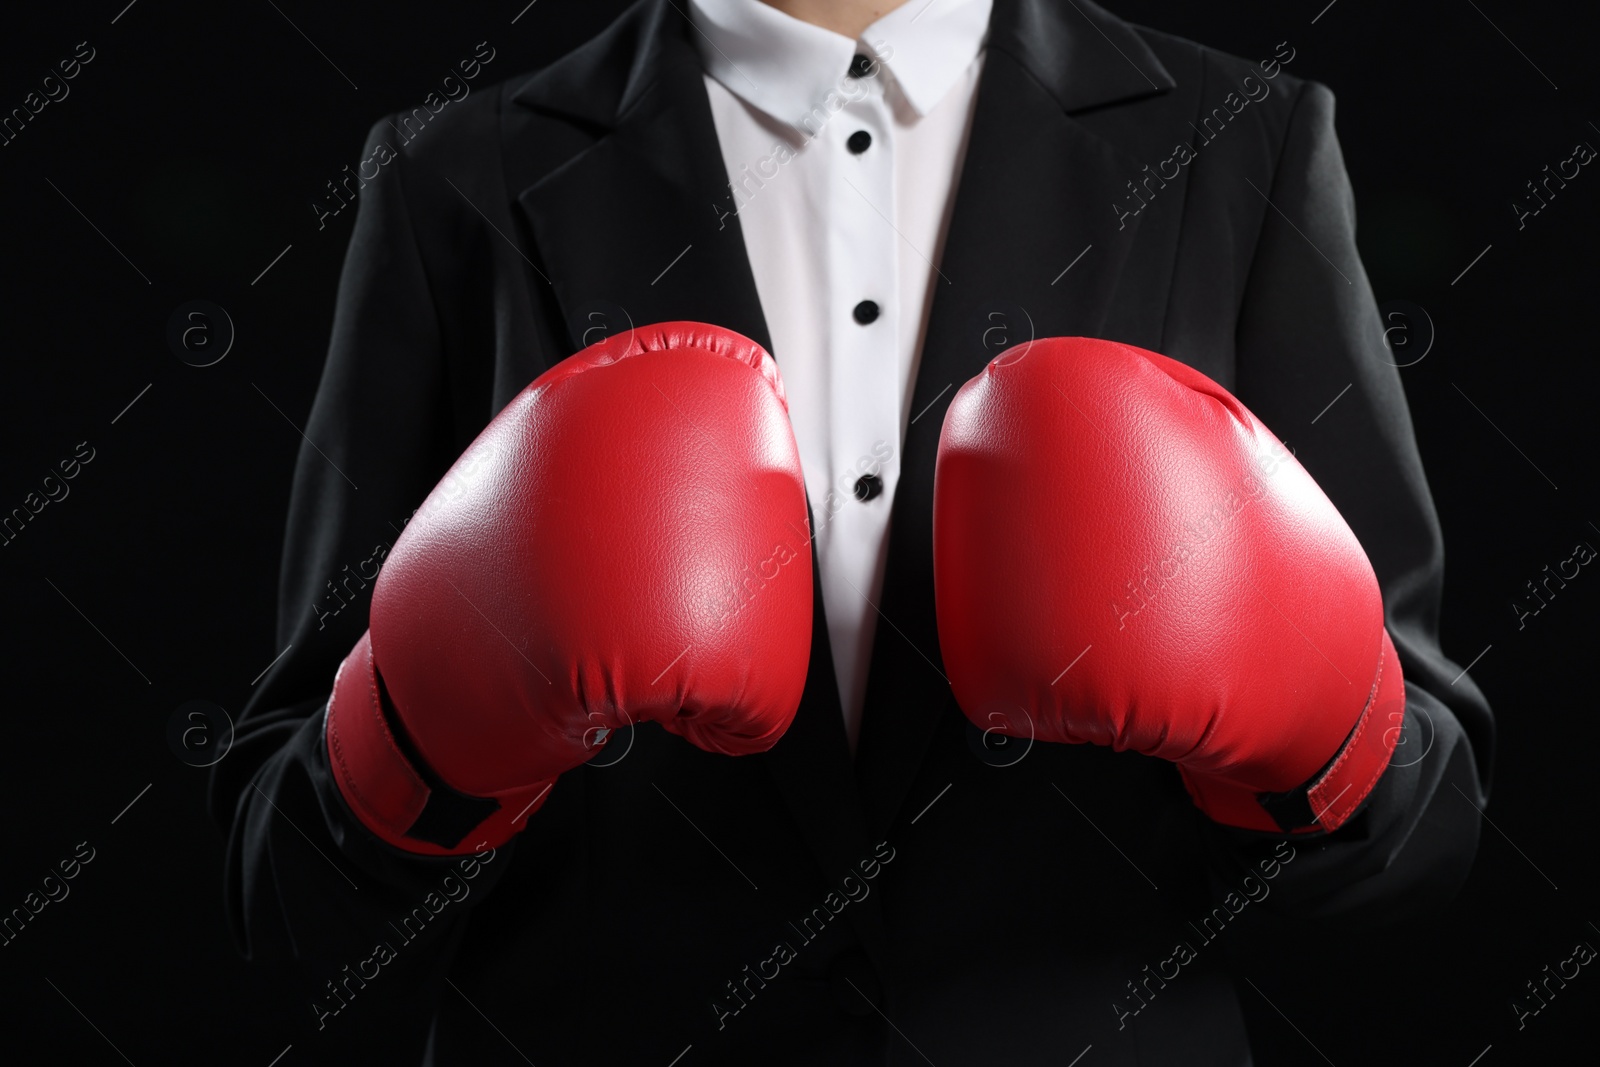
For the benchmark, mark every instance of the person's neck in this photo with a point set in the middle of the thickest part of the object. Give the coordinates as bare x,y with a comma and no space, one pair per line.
844,17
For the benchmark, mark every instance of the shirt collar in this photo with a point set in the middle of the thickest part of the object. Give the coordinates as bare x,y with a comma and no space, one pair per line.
786,67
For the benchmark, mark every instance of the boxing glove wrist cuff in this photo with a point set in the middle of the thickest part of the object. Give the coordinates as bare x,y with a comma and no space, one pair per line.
391,790
1332,796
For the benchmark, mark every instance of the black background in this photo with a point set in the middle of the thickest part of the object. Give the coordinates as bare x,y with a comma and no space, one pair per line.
195,143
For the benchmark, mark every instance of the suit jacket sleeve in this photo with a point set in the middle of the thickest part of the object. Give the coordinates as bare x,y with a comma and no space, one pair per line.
303,876
1308,328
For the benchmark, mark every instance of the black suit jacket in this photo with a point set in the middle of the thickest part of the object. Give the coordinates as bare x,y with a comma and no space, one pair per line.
1004,906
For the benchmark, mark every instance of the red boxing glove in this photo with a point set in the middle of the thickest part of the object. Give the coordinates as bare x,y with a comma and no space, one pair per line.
626,542
1124,555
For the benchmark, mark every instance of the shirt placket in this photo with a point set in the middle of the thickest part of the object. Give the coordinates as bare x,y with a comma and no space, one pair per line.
864,371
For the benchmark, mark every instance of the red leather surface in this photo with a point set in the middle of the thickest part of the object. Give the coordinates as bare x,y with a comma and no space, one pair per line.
1339,792
381,786
1105,508
377,781
625,542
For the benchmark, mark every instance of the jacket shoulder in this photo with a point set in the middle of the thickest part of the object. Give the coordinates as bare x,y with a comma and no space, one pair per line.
1206,77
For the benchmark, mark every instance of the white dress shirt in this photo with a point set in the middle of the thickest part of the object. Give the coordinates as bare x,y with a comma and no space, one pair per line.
843,188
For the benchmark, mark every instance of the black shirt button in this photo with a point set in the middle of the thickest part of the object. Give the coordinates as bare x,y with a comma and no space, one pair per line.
859,142
865,312
868,486
863,66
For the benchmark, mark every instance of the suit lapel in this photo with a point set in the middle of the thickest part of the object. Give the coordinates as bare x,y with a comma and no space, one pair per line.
1033,250
629,227
629,232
